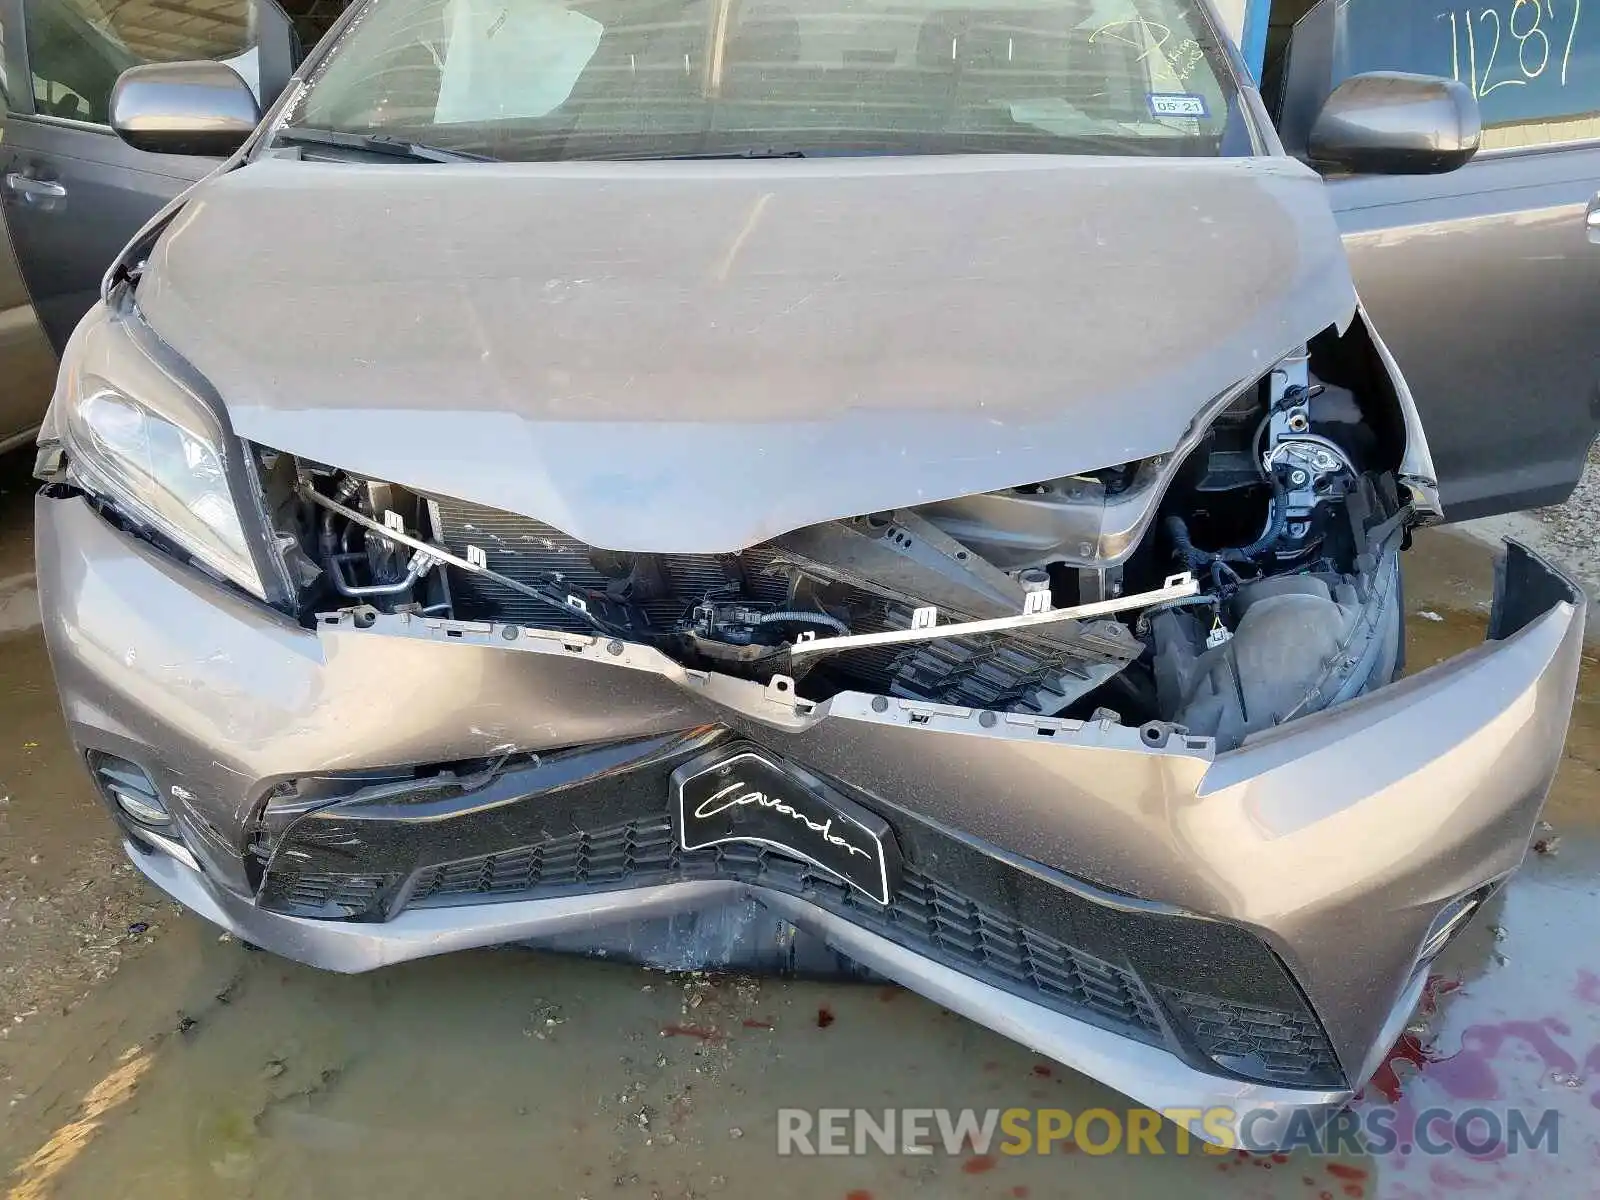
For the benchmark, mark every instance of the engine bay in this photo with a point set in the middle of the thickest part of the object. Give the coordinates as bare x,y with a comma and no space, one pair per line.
1248,580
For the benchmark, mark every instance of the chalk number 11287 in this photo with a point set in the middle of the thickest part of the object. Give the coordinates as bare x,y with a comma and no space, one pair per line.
1502,47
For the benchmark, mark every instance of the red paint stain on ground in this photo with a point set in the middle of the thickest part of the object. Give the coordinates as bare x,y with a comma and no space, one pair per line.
1324,1196
978,1164
752,1023
1436,987
1280,1159
889,994
1588,989
1468,1075
1384,1080
991,1066
825,1017
1020,1192
1344,1171
1042,1071
858,1194
694,1031
1355,1190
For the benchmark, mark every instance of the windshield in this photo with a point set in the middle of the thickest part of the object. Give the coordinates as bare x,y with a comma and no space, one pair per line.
542,79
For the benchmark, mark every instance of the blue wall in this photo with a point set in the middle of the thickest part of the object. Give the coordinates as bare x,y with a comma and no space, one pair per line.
1254,43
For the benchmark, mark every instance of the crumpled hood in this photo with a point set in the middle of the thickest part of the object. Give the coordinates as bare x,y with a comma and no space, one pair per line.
690,357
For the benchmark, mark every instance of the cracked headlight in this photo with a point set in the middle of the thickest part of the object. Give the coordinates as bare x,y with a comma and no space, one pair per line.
141,439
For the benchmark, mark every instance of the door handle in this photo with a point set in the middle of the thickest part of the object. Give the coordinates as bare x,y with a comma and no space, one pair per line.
42,193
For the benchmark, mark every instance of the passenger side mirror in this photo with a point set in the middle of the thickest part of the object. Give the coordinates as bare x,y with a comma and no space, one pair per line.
1393,123
201,108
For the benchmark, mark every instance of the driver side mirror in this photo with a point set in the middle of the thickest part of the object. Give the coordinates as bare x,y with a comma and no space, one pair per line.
203,108
1393,123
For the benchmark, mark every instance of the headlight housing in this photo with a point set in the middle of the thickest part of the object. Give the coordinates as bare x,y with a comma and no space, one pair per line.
141,439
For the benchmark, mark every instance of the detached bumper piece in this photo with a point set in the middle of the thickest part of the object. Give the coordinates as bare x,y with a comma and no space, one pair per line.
595,823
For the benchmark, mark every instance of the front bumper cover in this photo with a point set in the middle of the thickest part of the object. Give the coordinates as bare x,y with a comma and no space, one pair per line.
1304,868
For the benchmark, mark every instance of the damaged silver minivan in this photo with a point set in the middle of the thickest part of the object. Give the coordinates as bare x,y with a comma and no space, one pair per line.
854,486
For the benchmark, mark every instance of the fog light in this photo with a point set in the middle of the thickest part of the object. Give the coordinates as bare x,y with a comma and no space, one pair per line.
128,787
1450,921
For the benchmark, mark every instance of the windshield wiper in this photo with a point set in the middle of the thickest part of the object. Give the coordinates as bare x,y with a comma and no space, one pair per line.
373,143
646,156
739,154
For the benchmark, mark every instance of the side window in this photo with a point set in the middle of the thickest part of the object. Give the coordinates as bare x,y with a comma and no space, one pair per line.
1533,64
77,48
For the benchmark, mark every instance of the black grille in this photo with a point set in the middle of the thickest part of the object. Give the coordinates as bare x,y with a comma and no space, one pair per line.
317,894
634,851
987,673
931,919
596,819
1263,1043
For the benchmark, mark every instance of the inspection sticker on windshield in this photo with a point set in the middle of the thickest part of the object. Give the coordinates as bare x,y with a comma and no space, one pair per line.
1176,104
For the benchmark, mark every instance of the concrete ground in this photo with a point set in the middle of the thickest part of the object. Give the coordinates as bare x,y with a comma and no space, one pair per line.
143,1055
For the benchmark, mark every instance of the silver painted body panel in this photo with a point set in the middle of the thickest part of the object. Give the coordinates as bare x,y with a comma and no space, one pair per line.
1486,287
1336,838
697,356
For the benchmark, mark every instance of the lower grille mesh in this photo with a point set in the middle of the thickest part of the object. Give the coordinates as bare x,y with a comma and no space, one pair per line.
1261,1042
925,916
341,896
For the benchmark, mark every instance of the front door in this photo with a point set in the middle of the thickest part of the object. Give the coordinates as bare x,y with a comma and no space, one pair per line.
27,368
1486,282
73,193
